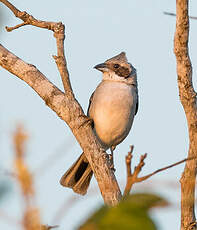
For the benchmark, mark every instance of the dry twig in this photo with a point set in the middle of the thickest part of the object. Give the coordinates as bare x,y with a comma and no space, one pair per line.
59,34
133,178
31,218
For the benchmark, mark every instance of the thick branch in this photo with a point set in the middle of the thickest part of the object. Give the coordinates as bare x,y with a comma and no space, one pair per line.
71,112
188,100
65,105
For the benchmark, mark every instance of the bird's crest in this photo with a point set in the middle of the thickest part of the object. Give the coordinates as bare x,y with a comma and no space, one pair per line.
120,58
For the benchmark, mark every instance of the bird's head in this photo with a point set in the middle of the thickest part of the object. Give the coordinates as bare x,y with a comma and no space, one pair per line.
116,68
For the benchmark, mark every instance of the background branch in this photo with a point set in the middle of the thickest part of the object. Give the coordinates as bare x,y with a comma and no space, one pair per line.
172,14
133,178
188,100
31,217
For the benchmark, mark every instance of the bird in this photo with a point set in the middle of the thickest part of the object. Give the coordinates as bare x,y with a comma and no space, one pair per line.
112,108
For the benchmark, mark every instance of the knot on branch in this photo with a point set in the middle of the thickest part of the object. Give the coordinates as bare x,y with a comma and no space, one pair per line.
193,126
58,59
59,30
23,15
4,59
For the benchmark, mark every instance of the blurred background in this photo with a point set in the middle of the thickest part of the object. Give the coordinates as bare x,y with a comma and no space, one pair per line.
95,31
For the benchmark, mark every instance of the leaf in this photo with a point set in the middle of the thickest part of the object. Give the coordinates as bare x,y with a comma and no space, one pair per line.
130,214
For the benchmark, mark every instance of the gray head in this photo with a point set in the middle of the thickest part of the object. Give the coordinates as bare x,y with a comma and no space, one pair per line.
117,66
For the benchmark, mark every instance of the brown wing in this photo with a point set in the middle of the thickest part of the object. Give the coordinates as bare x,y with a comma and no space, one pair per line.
90,101
137,103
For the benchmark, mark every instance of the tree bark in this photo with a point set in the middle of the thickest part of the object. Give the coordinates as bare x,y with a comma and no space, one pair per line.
188,100
69,110
64,104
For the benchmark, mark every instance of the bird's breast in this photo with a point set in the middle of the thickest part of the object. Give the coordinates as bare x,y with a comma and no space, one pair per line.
112,110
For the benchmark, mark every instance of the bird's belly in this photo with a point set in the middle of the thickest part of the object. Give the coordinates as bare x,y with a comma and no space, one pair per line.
113,116
112,131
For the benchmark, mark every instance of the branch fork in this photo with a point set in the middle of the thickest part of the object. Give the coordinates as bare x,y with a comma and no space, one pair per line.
64,104
133,178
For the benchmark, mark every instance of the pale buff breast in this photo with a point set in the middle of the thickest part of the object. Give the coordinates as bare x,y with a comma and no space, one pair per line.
112,109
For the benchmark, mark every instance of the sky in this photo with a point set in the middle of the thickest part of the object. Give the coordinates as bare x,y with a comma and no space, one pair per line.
95,31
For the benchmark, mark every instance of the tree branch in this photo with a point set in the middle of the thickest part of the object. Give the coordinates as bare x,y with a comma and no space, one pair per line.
133,178
59,34
188,100
172,14
65,105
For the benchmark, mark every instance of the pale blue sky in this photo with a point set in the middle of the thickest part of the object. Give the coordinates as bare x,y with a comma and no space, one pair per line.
96,31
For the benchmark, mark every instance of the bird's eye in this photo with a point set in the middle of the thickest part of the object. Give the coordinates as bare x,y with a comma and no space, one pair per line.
116,66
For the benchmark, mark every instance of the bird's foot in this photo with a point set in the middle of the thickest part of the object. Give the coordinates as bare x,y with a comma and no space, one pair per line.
111,160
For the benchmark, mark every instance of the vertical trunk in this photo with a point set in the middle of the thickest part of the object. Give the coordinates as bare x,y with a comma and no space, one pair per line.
188,100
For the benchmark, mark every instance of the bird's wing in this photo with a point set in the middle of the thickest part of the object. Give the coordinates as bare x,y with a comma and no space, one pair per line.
90,101
137,102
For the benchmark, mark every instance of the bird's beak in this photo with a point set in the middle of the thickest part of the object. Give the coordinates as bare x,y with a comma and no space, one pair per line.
102,67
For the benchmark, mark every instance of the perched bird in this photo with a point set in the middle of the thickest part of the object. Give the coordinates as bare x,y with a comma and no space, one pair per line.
112,108
131,213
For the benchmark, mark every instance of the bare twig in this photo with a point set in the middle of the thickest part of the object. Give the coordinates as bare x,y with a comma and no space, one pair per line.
162,169
59,34
172,14
133,178
27,19
9,29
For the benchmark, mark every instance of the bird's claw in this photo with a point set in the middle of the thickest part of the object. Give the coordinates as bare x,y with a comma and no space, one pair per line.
111,160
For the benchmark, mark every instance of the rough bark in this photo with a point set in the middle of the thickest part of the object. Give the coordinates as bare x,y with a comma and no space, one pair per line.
64,104
188,100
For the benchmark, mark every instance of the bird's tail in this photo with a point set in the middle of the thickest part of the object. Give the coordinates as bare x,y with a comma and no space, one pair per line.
78,176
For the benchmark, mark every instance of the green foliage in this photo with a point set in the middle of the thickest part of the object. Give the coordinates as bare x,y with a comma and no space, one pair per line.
130,214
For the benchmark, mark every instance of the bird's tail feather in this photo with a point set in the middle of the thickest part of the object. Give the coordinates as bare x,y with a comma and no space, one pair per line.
78,176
